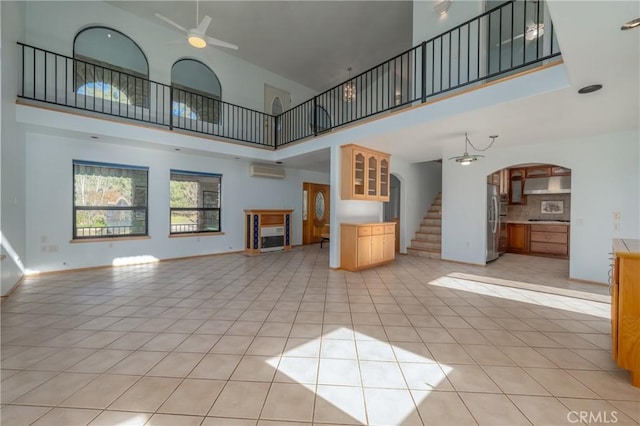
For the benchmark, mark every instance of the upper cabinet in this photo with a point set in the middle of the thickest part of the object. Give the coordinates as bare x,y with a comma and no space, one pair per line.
365,174
516,186
560,171
538,171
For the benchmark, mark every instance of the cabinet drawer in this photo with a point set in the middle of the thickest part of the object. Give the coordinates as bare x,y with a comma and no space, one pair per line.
389,229
549,228
364,231
549,237
551,248
377,230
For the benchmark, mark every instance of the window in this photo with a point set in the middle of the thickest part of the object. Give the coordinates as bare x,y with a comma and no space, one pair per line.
110,66
194,202
109,200
196,91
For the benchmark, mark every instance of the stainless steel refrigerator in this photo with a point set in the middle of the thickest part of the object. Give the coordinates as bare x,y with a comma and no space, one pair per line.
493,222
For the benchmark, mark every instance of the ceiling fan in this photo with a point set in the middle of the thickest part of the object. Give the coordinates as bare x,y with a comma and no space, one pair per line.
532,32
197,36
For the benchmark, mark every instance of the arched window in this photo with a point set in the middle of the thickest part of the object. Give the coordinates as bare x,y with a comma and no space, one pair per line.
196,91
111,66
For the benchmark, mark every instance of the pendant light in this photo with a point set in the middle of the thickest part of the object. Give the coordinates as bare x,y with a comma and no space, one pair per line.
349,89
466,158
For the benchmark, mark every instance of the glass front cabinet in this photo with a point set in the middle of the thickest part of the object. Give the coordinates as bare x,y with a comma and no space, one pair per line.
365,174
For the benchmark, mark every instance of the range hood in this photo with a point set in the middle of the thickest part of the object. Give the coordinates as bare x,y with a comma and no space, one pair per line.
547,185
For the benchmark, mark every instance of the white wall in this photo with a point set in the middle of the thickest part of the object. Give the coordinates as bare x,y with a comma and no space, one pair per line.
52,25
427,23
12,215
605,178
50,198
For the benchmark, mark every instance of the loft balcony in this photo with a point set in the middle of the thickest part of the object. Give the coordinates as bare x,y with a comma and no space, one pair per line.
499,43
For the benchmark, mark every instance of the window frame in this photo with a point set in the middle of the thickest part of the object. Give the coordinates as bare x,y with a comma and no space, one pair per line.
133,208
82,62
202,209
207,106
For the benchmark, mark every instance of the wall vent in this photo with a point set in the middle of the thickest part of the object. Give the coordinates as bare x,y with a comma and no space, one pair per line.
266,170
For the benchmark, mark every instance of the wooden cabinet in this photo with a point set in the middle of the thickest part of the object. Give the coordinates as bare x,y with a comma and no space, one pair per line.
625,307
364,245
518,238
549,240
516,186
365,174
538,171
560,171
267,230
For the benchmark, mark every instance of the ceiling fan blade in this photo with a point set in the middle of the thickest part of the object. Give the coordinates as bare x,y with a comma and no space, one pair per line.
170,22
216,42
204,24
509,40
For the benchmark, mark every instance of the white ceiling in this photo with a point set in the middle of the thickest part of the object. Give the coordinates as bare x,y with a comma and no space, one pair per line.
310,42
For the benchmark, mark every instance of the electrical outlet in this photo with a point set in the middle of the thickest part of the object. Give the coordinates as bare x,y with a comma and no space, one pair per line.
616,226
616,216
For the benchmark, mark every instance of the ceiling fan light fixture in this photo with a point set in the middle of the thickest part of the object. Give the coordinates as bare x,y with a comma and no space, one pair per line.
442,7
196,40
534,31
634,23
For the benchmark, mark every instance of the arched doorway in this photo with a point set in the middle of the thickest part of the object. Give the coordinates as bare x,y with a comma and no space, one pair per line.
533,214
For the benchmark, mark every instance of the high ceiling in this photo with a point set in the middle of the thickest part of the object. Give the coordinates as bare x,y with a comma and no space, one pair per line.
310,42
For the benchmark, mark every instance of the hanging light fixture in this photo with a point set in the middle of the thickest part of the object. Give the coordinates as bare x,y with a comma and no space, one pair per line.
349,89
466,158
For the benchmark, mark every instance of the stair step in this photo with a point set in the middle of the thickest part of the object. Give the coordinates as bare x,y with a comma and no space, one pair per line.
426,236
433,215
432,222
429,245
423,253
431,229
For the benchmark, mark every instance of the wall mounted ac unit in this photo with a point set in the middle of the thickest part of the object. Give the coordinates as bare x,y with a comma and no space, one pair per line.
266,170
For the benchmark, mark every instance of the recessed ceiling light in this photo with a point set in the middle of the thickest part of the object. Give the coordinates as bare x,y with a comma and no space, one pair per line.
589,89
176,149
94,137
108,35
278,162
634,23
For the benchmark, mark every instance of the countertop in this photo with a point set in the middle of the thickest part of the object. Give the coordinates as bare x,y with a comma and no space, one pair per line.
539,222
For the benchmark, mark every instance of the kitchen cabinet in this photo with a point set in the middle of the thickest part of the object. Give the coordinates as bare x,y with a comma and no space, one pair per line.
538,171
552,240
364,245
365,174
516,186
518,238
548,240
560,171
625,306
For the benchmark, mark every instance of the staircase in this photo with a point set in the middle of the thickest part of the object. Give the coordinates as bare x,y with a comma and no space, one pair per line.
427,240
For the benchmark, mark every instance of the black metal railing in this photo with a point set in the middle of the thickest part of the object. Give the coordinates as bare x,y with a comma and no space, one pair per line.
509,38
57,79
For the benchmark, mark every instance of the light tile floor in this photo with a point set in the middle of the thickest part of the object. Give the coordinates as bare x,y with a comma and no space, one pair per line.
280,339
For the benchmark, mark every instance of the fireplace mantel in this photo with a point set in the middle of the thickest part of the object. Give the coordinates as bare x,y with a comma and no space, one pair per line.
263,228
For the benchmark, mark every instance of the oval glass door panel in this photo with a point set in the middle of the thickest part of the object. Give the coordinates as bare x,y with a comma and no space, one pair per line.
276,106
319,205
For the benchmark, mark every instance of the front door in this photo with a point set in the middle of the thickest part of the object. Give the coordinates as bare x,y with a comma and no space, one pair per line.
315,212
